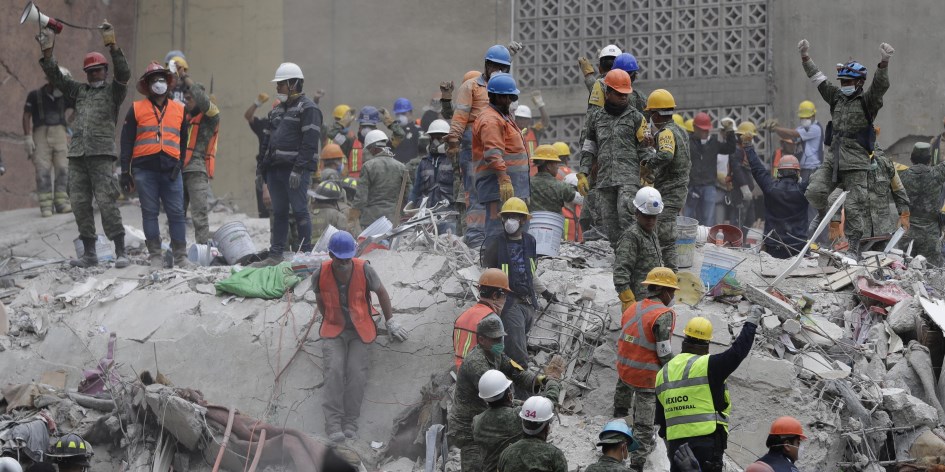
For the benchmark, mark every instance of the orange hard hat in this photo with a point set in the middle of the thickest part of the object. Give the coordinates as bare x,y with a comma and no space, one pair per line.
789,162
94,59
154,68
702,121
332,151
787,426
471,75
494,278
618,80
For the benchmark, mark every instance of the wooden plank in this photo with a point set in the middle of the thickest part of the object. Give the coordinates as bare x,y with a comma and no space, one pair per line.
846,276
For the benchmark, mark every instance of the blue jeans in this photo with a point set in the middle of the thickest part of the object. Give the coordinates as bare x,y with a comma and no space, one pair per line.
702,208
284,198
156,188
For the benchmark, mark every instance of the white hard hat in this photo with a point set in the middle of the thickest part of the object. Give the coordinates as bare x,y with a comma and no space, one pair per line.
537,409
571,179
65,72
9,464
523,111
492,385
288,70
649,201
374,136
438,126
610,50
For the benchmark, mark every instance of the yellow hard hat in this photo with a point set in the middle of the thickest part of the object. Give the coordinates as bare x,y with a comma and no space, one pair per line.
699,328
747,127
662,276
687,125
678,119
661,100
562,149
545,152
515,205
806,109
340,111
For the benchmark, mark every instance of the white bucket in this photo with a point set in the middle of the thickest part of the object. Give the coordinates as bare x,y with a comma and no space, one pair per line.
702,234
548,228
716,262
201,254
234,242
686,233
103,248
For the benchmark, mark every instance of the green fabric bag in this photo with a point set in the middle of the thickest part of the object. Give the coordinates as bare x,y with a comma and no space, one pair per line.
262,282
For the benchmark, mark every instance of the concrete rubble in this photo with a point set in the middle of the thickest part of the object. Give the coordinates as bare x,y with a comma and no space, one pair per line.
862,377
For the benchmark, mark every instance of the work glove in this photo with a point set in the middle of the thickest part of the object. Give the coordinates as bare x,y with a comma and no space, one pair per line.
904,220
755,314
583,185
108,33
446,90
685,460
127,182
506,191
626,299
396,331
537,99
295,179
386,117
549,297
263,97
803,46
728,124
555,367
770,124
172,66
586,67
29,144
886,51
46,39
834,232
347,118
319,93
746,193
515,47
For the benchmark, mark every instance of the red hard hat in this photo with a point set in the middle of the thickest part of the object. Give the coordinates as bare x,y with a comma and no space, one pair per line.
618,80
789,162
154,68
787,425
702,121
94,59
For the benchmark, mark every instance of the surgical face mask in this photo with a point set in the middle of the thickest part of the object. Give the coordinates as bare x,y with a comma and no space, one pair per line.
807,122
498,348
282,97
97,84
703,141
848,90
159,87
441,149
511,225
402,119
363,132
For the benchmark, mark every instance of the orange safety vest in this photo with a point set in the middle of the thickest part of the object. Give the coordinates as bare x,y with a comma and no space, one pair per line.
464,331
359,306
531,141
572,224
637,362
355,160
157,132
210,154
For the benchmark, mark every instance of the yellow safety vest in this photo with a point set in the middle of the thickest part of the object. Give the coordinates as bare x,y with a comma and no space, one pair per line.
682,387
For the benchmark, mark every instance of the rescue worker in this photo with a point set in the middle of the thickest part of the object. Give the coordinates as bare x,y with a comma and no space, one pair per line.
885,187
605,61
343,287
549,193
384,183
340,131
350,186
493,289
628,63
497,427
564,154
694,404
533,453
514,252
611,155
259,126
739,179
499,159
368,118
331,162
923,224
785,205
201,149
704,149
405,148
434,178
325,211
92,151
153,144
291,158
572,213
783,443
643,347
617,443
523,119
667,163
45,129
488,354
809,138
638,251
70,452
177,91
850,137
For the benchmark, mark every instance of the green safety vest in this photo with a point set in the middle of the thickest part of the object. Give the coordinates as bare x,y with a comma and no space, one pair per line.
682,387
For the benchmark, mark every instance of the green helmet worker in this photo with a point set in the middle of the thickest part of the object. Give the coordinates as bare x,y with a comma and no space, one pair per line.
71,453
616,442
693,401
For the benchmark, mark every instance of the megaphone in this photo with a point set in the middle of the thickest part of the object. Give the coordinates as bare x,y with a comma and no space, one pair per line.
32,13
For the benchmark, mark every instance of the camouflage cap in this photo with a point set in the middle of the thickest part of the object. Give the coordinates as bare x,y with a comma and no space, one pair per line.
611,437
491,327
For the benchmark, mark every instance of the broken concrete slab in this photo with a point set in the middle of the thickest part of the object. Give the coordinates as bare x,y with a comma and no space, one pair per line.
757,369
816,364
180,417
915,413
760,296
902,317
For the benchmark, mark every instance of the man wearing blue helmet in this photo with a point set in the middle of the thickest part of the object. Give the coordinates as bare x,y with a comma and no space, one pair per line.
627,62
343,287
405,147
368,118
616,442
850,136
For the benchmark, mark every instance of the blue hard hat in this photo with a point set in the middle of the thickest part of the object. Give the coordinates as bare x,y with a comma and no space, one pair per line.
342,245
626,62
502,84
613,429
499,54
369,116
851,70
402,105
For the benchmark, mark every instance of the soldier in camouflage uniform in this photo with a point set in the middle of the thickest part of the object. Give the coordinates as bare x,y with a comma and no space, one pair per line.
380,183
549,193
921,179
638,251
533,453
325,211
616,442
204,118
614,133
885,185
850,137
667,165
92,151
487,355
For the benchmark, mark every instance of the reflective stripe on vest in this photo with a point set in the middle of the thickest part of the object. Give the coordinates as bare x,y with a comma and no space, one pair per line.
637,360
682,388
359,305
354,163
572,224
531,141
157,132
210,153
464,331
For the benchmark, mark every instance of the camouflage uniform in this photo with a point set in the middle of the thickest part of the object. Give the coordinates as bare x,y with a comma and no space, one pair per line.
196,176
532,454
668,165
324,214
607,464
638,252
467,404
611,146
847,162
498,428
549,193
884,185
922,179
379,187
92,150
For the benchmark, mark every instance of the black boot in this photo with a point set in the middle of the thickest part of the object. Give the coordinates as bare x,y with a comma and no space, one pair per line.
89,257
121,261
